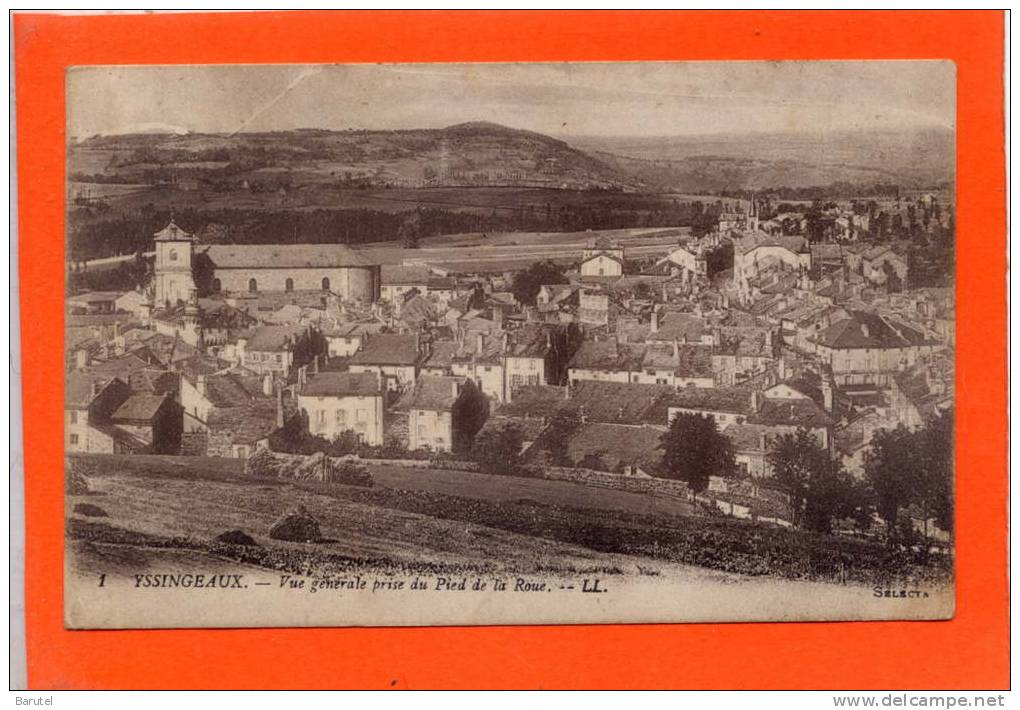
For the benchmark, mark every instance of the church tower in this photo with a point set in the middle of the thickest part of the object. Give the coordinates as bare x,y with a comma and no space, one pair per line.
174,279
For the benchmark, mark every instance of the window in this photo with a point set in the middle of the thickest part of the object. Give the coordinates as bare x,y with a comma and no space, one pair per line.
288,285
74,439
362,415
173,255
74,416
216,286
325,283
341,416
253,285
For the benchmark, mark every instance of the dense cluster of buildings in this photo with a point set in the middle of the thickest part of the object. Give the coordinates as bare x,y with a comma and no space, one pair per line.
760,329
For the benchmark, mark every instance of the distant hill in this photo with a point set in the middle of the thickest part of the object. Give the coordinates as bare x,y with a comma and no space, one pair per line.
319,168
910,158
468,154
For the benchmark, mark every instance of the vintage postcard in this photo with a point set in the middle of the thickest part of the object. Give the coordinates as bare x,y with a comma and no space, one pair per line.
458,344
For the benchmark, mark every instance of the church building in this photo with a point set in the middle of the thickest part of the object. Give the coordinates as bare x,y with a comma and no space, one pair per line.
183,266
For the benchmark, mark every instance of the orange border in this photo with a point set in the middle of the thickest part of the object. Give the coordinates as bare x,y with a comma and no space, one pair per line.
970,651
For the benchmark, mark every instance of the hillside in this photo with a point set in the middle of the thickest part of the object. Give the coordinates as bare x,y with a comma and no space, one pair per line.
468,154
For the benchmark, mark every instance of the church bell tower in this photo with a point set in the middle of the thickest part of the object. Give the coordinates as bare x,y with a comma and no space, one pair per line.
174,279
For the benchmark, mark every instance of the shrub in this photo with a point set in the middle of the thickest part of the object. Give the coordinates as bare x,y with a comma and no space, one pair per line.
296,526
262,464
348,473
236,537
90,511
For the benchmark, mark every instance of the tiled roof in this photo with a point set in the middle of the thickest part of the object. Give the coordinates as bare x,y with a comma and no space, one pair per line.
282,256
534,401
735,400
868,330
619,402
342,384
274,338
78,387
676,326
138,407
398,275
791,412
388,349
433,392
607,355
232,390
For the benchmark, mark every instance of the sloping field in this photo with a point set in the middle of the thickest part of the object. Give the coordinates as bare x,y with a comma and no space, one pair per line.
429,519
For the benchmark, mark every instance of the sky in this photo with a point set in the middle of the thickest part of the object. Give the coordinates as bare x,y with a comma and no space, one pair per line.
564,99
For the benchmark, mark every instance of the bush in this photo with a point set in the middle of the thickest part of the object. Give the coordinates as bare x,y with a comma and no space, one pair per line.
76,473
296,526
90,511
236,537
348,473
262,464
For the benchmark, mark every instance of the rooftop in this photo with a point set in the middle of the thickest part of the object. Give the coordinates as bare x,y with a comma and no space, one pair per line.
293,256
434,393
388,349
342,384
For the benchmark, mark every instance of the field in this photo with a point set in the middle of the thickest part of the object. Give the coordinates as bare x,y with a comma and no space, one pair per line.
432,520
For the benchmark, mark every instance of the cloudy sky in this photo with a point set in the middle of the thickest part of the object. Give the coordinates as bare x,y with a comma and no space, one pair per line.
617,99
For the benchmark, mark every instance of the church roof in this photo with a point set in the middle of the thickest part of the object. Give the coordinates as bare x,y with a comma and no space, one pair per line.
172,233
284,256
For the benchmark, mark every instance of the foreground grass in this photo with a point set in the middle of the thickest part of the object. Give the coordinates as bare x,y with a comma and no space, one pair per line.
709,542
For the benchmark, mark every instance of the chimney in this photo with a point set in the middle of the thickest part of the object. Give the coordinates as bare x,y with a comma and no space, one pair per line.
763,442
497,317
756,401
768,338
479,343
279,407
455,388
200,384
655,320
267,385
782,369
566,391
315,365
676,347
81,358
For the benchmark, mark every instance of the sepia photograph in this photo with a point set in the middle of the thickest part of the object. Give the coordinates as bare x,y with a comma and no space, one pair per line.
509,343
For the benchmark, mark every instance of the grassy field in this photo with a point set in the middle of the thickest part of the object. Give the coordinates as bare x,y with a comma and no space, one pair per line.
436,520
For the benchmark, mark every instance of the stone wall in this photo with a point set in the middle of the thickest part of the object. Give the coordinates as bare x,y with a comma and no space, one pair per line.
635,484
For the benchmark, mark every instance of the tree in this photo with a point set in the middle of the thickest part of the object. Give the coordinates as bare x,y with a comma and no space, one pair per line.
410,230
695,450
936,462
498,451
892,467
556,437
526,284
821,490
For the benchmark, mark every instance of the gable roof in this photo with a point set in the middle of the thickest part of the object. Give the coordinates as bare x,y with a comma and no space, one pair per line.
342,384
285,256
139,408
868,330
388,349
433,392
274,338
734,400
